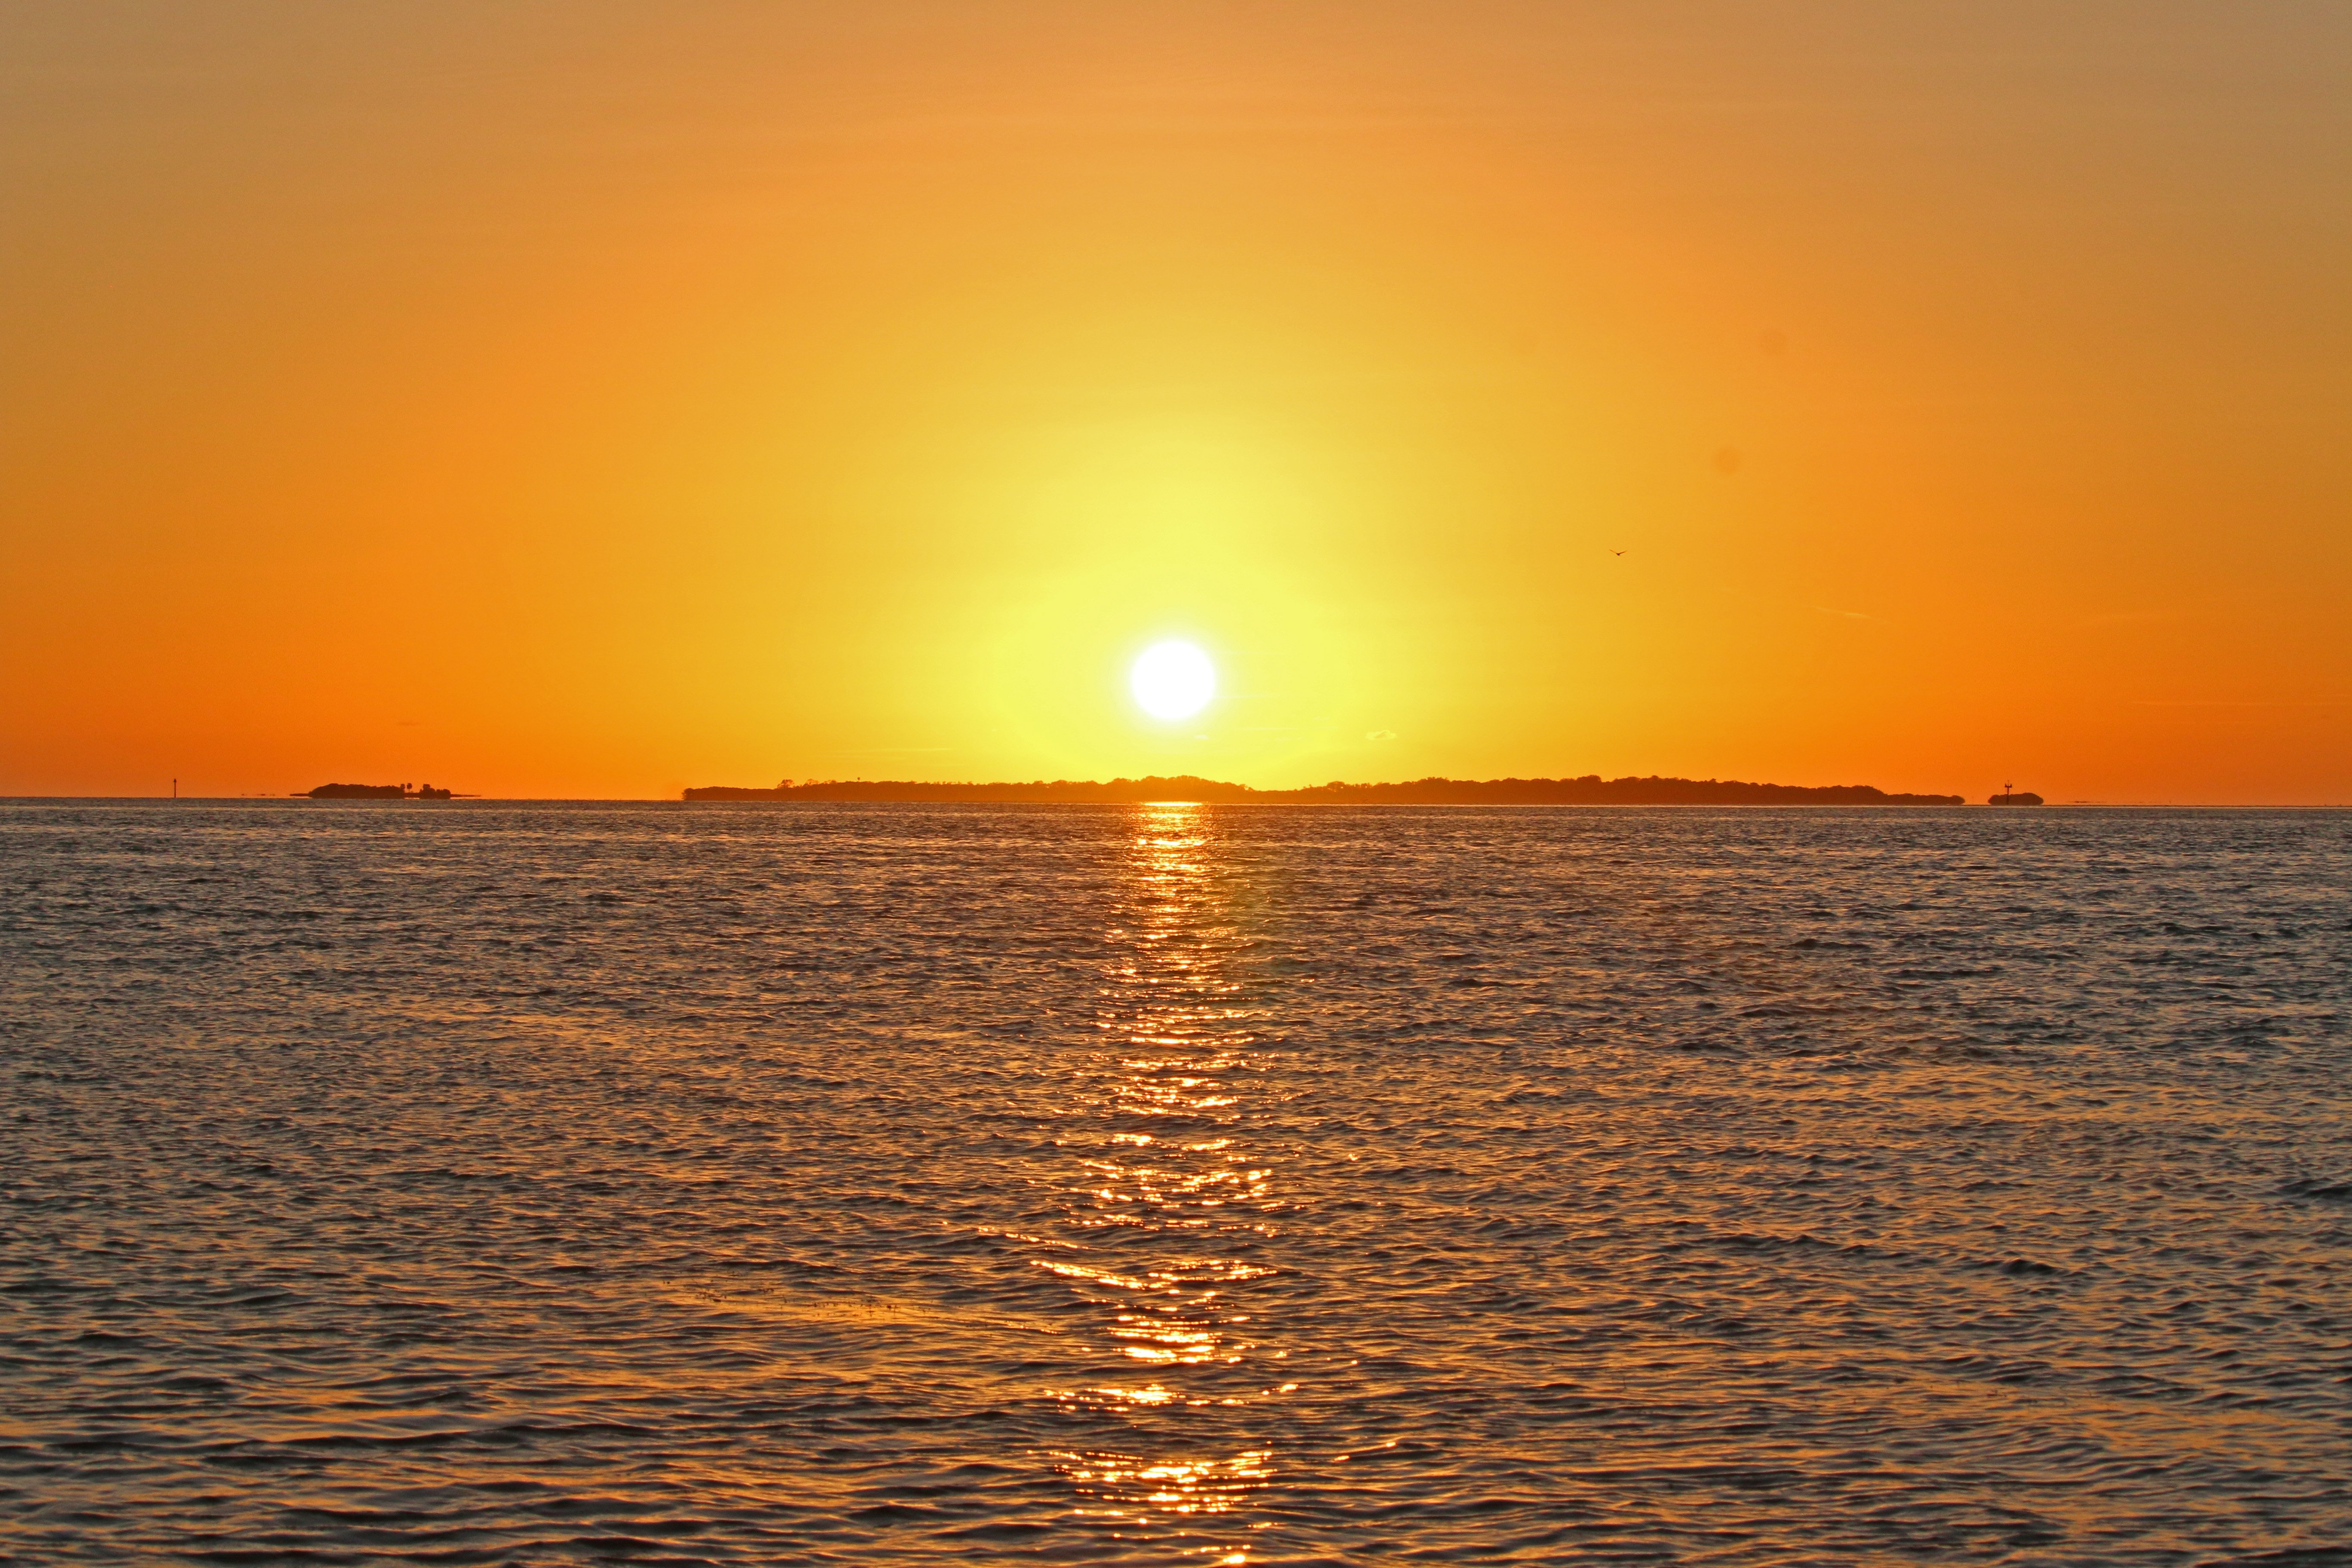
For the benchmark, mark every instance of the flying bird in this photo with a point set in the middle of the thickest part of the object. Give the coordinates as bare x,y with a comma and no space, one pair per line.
1616,553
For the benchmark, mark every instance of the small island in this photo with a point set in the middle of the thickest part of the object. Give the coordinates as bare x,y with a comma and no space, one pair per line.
2014,797
1590,790
374,791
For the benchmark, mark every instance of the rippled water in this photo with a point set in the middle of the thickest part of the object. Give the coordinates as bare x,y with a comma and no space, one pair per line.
801,1185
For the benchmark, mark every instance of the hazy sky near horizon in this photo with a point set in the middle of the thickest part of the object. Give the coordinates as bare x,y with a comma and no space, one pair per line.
593,399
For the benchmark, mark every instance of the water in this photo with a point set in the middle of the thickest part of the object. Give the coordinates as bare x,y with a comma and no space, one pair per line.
513,1184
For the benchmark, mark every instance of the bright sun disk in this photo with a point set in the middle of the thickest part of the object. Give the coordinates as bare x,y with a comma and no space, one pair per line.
1172,680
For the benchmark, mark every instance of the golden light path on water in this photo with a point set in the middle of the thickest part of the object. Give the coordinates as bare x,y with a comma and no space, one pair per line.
1174,1194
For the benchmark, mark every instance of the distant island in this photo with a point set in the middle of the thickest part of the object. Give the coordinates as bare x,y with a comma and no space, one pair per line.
374,791
1590,790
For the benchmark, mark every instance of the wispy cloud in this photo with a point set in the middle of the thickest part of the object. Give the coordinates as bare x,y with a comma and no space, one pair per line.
2240,702
2133,618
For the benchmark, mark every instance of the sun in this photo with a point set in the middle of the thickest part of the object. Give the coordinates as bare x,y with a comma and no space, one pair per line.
1172,680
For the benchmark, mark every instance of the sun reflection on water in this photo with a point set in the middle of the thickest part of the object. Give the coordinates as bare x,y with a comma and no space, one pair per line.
1170,1200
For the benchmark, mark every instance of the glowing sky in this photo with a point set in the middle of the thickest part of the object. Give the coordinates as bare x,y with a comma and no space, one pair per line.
591,399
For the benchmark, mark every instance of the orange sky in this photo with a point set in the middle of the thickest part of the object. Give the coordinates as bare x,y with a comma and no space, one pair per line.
589,399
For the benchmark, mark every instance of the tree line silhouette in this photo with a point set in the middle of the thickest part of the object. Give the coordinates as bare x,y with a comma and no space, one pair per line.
1590,790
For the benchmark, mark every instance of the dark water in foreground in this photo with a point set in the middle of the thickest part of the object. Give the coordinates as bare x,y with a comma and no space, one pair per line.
493,1184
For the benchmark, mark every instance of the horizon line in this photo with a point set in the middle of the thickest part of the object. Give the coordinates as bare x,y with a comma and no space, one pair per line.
482,800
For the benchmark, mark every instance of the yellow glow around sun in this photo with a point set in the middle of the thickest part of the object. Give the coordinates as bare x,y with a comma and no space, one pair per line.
1172,680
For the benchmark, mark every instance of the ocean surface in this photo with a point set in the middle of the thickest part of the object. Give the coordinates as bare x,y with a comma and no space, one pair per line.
489,1182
